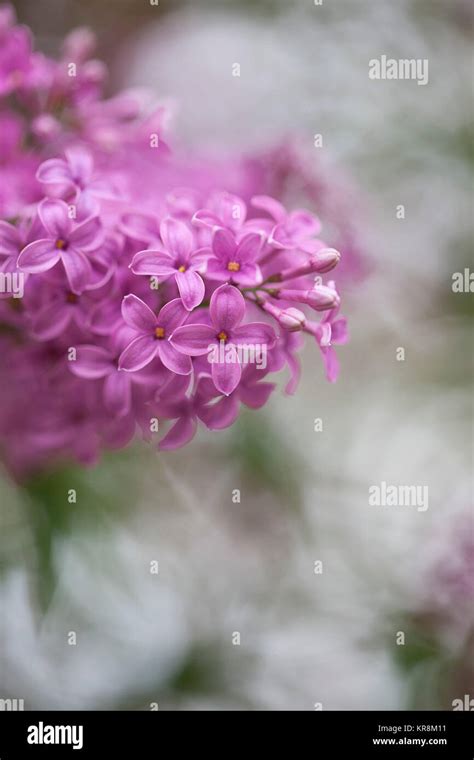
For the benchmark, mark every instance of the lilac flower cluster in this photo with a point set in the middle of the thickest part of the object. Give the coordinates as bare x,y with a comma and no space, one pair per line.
150,286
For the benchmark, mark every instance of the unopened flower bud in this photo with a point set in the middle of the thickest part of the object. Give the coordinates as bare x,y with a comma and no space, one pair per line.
320,262
292,319
319,298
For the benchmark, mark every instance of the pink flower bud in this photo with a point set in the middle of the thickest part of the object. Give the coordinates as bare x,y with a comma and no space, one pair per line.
320,298
292,319
325,260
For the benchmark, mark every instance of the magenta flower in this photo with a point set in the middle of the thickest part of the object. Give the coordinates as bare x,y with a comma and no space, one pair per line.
74,172
235,262
294,230
67,243
224,210
179,260
227,310
153,336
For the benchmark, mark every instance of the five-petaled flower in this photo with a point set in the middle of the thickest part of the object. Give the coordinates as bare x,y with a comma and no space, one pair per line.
153,335
180,259
67,243
227,310
234,261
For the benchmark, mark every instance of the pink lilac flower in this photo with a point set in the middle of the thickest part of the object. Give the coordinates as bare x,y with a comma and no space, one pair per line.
227,310
292,230
179,260
223,210
152,335
67,243
234,261
75,176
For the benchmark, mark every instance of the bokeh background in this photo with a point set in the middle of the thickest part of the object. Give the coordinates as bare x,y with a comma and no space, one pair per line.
306,638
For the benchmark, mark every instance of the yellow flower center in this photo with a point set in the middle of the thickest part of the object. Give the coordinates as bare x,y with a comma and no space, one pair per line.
60,244
182,268
222,336
71,298
233,266
159,332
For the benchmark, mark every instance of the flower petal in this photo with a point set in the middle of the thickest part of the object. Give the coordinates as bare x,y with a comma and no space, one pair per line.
249,247
179,434
91,362
248,275
139,226
54,171
51,320
138,353
205,218
254,333
304,223
191,288
222,414
88,235
172,315
255,396
193,340
226,376
217,270
78,269
331,363
10,239
118,393
81,164
227,307
270,205
54,215
177,237
39,256
173,359
223,244
138,315
339,332
153,262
